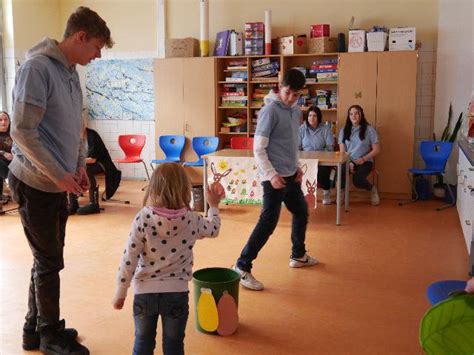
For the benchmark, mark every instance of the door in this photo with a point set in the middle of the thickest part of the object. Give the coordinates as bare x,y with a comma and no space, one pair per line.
357,85
169,99
395,123
199,104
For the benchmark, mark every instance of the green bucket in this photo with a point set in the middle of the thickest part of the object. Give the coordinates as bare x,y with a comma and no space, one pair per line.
216,299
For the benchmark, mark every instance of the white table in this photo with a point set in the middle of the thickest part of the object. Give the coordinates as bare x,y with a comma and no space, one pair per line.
336,159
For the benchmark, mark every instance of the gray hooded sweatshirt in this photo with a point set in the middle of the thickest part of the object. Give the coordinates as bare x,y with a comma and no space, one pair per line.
46,122
275,144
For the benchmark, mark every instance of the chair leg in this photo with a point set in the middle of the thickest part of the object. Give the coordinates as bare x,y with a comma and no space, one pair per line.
452,204
413,190
146,170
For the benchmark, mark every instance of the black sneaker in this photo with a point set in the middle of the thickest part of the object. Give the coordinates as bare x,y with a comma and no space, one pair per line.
90,208
31,338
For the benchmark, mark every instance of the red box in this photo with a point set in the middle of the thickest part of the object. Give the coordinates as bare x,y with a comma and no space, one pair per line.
321,30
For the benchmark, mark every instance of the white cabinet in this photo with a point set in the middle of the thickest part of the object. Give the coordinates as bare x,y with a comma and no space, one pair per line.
465,198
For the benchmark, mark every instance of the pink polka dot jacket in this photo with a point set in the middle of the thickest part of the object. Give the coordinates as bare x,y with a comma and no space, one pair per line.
158,255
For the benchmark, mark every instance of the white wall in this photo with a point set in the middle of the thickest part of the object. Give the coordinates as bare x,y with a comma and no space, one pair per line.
455,62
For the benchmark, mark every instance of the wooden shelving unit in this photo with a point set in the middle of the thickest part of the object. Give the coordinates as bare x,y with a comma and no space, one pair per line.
285,62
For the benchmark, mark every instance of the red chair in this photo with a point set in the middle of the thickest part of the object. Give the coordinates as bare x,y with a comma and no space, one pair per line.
132,145
241,143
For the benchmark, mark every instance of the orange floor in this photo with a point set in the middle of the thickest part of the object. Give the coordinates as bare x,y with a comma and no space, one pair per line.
367,296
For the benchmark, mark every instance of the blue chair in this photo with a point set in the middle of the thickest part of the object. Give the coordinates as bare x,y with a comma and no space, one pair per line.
435,154
172,146
203,146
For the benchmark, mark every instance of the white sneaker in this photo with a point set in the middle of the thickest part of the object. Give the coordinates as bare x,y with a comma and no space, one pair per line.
306,260
374,196
248,281
327,197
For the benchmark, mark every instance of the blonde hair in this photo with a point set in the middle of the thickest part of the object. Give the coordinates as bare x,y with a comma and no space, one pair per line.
169,187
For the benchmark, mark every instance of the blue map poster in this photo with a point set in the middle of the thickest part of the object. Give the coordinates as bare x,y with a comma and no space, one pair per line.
120,89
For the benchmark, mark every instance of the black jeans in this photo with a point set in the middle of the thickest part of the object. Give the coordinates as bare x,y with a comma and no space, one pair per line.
361,172
324,173
92,170
44,216
294,200
3,173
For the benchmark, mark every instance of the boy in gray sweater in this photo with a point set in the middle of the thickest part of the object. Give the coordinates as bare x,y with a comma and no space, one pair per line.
276,153
49,161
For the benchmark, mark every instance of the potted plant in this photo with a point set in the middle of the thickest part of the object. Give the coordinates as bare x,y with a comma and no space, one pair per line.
439,188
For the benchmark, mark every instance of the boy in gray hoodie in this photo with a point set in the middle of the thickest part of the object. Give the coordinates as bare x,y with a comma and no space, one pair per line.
49,161
276,153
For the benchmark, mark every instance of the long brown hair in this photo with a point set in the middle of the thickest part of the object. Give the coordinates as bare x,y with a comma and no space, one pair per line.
169,187
348,126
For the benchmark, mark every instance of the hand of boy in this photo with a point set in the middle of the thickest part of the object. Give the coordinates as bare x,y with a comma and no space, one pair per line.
215,193
278,182
118,303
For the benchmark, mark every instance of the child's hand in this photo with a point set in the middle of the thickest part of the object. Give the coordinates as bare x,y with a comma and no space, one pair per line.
470,286
117,303
215,193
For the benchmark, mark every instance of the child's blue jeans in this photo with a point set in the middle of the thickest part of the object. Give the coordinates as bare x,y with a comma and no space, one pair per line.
294,200
174,310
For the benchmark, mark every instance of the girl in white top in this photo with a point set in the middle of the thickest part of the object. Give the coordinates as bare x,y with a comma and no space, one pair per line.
158,257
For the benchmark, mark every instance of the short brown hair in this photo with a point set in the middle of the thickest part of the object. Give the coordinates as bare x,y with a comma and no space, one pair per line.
169,187
87,20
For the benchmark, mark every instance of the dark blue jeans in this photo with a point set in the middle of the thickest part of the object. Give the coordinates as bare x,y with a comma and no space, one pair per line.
294,200
174,310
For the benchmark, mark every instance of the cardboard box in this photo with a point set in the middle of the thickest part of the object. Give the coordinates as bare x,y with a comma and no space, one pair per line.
290,45
356,41
402,39
181,47
322,45
376,41
321,30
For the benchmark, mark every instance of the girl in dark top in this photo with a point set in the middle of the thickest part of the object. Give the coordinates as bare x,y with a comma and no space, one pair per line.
314,135
5,150
360,140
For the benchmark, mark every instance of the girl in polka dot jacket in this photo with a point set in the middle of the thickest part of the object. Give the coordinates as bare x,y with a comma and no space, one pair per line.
158,257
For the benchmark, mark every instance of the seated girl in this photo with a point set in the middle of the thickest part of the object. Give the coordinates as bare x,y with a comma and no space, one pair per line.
316,136
360,140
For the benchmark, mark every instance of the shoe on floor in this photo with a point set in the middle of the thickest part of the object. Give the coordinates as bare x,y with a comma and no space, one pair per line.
31,338
90,208
327,197
306,260
248,281
374,196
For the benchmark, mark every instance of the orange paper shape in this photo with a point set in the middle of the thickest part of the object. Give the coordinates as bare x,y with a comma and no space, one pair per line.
228,315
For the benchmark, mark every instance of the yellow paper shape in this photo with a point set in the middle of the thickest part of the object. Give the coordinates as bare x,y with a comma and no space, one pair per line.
207,311
228,315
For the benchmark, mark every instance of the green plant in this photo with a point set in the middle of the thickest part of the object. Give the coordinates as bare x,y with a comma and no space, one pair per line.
448,136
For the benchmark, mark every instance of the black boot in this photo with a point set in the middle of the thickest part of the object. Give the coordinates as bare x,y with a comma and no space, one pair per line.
31,337
56,340
73,204
93,206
